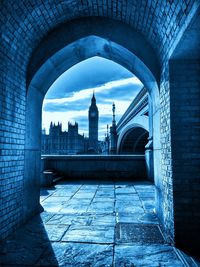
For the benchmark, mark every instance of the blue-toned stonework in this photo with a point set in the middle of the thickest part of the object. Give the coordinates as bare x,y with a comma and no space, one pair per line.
159,42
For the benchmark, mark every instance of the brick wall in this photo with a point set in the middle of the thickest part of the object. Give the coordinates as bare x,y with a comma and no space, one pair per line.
12,130
166,184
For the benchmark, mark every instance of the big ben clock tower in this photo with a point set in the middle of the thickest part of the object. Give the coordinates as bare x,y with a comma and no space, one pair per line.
93,115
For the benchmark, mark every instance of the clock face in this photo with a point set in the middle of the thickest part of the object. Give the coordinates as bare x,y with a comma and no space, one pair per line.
92,114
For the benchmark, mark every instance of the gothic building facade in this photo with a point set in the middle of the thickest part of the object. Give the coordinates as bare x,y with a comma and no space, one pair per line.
70,142
60,142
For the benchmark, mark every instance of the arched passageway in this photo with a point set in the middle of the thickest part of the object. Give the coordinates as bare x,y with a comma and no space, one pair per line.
141,38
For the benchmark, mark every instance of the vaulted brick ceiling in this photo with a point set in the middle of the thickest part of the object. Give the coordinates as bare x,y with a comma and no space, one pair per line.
159,21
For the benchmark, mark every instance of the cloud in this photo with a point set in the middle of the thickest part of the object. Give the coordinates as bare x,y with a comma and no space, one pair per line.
89,73
87,93
124,93
56,107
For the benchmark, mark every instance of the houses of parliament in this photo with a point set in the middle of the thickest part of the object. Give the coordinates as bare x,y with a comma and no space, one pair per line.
70,142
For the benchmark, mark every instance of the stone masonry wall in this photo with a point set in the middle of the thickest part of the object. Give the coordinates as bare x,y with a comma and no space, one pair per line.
185,127
129,167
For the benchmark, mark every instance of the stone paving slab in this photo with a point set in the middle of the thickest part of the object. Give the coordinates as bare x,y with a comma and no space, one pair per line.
101,207
127,197
148,206
54,199
52,206
103,220
82,202
90,234
146,194
128,217
146,256
61,193
69,219
104,194
125,190
89,187
143,218
104,199
123,207
77,255
46,216
149,218
128,202
143,186
56,232
84,195
109,186
73,208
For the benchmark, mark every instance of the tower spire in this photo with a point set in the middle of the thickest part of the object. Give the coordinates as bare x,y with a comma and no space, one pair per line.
93,98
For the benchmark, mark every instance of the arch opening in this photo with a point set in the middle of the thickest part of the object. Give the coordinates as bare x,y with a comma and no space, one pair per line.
72,54
68,100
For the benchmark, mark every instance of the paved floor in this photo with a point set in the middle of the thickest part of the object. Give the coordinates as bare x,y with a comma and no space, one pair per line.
92,224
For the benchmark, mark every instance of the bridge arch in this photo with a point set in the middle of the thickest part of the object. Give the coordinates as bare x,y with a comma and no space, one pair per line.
137,122
134,141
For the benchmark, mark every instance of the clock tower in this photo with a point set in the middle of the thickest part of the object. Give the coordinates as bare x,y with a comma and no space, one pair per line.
93,117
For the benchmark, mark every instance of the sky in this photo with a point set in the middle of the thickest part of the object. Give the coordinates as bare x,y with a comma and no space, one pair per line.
69,97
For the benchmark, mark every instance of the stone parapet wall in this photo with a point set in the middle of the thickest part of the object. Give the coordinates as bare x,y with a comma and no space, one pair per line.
98,167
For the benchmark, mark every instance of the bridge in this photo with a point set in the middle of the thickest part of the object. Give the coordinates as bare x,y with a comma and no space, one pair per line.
133,127
133,132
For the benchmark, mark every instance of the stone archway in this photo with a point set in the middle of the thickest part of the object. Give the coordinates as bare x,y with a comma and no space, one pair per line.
49,71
